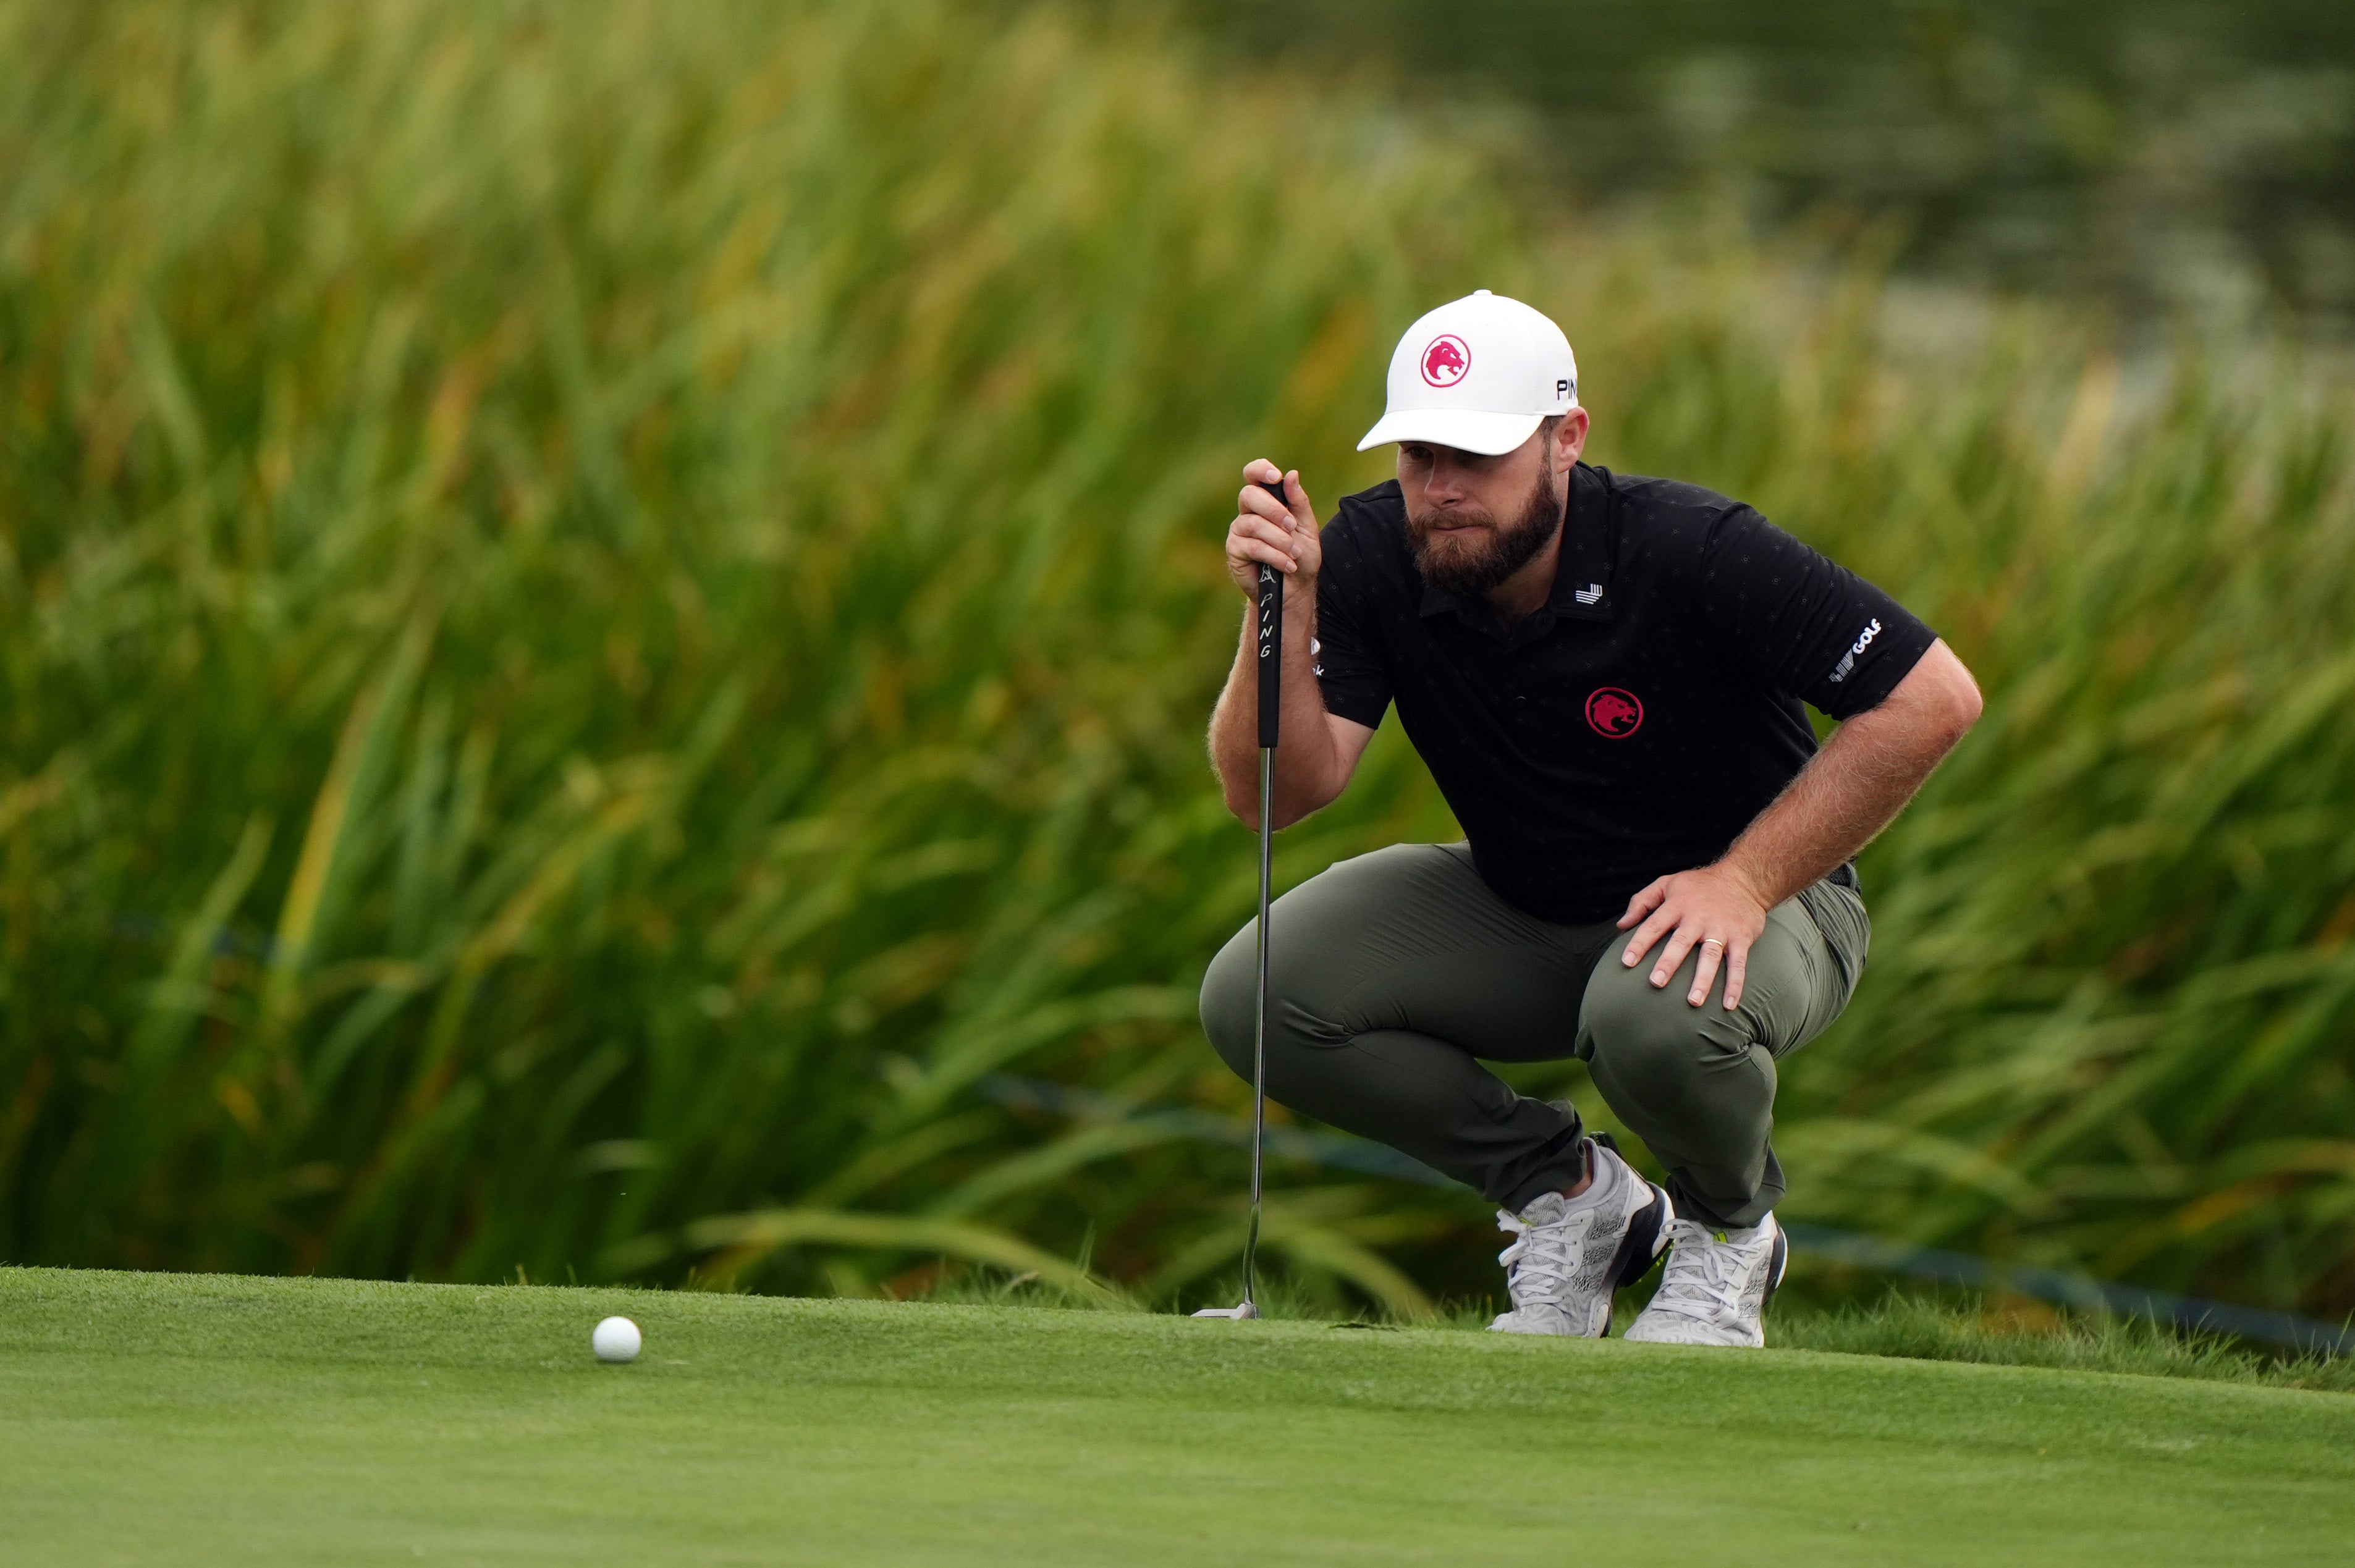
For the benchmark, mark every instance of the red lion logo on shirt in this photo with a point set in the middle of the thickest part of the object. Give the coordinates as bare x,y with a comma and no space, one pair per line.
1446,361
1614,712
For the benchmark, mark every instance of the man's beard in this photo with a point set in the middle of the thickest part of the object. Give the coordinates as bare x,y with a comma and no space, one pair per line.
1470,563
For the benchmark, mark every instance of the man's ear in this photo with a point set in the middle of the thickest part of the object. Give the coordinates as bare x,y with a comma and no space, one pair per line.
1570,438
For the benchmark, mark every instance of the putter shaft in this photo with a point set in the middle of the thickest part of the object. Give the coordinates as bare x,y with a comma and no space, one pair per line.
1250,1306
1269,638
1259,1026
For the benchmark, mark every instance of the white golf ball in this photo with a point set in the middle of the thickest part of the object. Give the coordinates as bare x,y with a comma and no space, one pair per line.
615,1339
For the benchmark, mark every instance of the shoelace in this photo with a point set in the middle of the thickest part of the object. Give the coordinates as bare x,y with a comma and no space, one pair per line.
1542,1260
1704,1276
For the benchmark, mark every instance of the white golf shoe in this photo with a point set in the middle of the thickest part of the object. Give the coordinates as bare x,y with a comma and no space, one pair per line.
1569,1255
1715,1287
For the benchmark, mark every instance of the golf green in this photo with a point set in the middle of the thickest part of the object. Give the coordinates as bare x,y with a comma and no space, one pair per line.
150,1418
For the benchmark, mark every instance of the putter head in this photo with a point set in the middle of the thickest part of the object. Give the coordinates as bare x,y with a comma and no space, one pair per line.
1246,1310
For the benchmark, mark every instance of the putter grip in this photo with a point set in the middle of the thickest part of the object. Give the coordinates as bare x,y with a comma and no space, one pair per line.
1270,643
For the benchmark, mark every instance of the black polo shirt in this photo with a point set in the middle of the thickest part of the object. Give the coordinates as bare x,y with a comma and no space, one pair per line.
1640,720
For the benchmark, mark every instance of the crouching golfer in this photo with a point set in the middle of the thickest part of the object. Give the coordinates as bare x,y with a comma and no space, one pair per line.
1604,674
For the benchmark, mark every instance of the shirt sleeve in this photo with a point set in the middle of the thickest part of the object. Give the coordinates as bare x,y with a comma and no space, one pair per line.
1803,624
1350,671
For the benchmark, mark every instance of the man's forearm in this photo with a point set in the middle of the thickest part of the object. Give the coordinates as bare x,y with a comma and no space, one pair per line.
1855,786
1307,760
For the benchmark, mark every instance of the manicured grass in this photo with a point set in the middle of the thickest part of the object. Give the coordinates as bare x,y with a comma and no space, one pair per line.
1964,1330
154,1418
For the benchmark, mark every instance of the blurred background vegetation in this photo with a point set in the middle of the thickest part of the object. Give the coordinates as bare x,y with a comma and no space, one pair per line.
2137,157
606,608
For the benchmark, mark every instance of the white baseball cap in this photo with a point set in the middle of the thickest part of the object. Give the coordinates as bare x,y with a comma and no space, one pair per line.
1477,374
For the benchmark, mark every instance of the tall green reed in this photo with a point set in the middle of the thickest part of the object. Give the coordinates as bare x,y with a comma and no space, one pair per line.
2111,1006
605,609
609,609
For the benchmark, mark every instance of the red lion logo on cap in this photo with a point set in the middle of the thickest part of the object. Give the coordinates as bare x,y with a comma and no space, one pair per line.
1446,361
1614,712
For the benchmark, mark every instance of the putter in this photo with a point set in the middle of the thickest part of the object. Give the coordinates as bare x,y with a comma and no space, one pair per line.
1271,702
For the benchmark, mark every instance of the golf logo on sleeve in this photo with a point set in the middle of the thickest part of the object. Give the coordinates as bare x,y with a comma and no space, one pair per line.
1848,660
1614,712
1446,361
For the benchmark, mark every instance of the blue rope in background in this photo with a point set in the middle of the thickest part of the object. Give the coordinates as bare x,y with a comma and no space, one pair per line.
1877,1253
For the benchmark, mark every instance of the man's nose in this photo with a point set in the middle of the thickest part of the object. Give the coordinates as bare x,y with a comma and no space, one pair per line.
1448,481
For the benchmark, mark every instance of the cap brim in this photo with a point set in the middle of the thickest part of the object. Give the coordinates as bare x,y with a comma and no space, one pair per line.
1466,429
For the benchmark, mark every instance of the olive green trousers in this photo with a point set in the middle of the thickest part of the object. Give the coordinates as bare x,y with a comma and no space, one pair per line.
1391,976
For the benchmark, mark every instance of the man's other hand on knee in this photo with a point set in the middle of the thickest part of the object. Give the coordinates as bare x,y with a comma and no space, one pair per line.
1713,908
